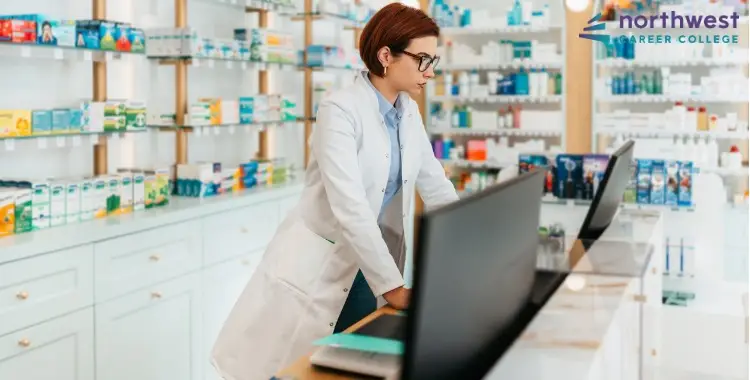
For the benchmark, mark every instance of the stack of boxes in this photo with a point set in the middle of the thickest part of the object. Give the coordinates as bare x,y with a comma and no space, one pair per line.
109,116
207,179
245,110
332,56
256,45
90,34
31,205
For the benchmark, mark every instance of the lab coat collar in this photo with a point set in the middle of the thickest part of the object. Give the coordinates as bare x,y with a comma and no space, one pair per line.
384,106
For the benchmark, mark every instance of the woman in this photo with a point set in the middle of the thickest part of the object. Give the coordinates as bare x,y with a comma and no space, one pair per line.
343,245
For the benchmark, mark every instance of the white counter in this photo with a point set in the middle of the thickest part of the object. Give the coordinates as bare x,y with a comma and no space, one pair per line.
601,323
178,210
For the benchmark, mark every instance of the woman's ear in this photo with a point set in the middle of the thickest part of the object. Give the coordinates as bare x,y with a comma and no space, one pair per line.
384,56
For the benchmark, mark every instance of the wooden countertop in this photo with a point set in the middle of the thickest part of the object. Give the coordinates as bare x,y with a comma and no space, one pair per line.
303,370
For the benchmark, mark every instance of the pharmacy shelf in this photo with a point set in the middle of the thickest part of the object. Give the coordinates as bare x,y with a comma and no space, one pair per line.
515,64
62,140
227,63
459,31
343,19
498,99
255,5
62,53
690,62
495,132
647,98
646,133
259,125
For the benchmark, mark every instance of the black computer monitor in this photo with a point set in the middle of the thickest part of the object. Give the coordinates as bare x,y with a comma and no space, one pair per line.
475,266
608,196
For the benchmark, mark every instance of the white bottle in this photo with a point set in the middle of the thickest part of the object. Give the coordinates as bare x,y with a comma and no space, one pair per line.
543,79
500,121
680,114
526,12
533,82
492,82
463,84
448,80
474,83
713,153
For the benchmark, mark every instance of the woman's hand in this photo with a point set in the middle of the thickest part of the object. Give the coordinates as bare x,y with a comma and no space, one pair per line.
398,298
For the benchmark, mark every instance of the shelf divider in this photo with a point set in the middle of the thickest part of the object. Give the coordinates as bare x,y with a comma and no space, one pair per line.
99,12
265,137
308,79
181,90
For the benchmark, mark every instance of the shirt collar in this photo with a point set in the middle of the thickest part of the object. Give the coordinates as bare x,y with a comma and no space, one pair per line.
384,106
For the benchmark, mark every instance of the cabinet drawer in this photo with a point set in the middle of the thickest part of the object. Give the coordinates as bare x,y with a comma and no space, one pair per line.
60,349
238,232
135,261
44,287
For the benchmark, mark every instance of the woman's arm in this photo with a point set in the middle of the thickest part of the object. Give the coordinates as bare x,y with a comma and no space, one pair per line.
335,149
432,184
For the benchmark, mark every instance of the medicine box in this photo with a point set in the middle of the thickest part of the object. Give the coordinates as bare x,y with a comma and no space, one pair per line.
7,212
40,205
60,121
135,115
114,115
41,122
15,123
122,37
57,210
107,33
88,203
92,117
643,184
23,211
17,31
629,195
686,184
99,196
76,120
672,188
87,34
72,201
126,192
150,188
114,191
139,191
137,40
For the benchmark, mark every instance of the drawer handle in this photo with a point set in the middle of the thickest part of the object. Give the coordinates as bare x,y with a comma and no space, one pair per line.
244,230
24,343
640,298
155,258
22,296
155,295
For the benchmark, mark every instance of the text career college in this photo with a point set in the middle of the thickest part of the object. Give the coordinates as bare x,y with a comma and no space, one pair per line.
683,39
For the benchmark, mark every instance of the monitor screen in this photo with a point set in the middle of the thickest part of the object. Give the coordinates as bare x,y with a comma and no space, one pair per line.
608,196
474,270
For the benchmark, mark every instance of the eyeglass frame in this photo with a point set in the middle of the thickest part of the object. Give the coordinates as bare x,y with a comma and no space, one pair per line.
421,59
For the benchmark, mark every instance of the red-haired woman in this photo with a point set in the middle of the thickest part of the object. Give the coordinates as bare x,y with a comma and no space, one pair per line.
343,245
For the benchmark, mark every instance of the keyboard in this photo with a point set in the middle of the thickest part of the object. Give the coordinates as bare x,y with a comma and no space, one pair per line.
361,362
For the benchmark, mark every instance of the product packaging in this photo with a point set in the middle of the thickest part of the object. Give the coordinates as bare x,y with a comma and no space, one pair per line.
57,213
88,202
686,184
40,204
672,190
41,122
99,196
594,166
570,176
7,211
629,195
15,123
658,182
23,211
643,186
72,201
135,115
60,121
126,192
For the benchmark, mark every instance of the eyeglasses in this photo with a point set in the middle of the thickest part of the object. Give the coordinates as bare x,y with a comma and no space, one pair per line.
425,61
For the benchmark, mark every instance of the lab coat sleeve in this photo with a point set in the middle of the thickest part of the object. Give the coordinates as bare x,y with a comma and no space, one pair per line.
335,149
432,184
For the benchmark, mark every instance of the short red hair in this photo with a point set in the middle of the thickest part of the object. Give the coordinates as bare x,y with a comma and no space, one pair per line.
394,26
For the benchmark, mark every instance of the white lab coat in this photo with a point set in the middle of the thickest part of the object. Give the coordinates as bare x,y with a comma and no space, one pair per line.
296,294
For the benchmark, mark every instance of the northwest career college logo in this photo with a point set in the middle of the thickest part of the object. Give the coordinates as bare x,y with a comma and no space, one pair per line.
594,25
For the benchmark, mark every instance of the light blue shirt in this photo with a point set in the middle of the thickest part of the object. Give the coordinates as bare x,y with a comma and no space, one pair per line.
392,116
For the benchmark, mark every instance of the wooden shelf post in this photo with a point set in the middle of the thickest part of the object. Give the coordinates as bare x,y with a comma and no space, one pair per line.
265,137
308,79
100,93
181,90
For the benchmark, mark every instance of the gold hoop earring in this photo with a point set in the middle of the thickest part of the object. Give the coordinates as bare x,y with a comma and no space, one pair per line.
385,71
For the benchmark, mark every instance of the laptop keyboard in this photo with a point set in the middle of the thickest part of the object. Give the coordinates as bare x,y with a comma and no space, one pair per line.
385,326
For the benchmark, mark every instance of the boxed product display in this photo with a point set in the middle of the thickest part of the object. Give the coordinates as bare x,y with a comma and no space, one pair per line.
570,176
7,212
15,123
594,166
49,31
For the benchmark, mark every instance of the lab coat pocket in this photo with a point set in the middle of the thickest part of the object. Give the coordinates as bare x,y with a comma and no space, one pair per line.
302,257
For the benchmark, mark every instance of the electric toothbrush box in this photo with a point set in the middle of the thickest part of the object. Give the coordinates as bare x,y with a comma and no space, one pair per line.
570,176
658,181
672,190
629,195
686,184
643,184
594,166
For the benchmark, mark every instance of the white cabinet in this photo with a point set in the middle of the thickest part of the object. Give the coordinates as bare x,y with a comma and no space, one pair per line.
239,232
221,286
61,349
151,334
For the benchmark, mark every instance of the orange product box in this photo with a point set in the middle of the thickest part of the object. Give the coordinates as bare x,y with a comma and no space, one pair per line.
476,150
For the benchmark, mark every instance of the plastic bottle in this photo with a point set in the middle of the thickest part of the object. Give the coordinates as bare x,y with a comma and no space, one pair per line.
702,119
455,117
510,16
630,83
680,116
533,86
526,8
509,117
492,82
517,117
656,85
518,12
500,119
558,84
542,82
691,119
522,82
473,82
463,84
